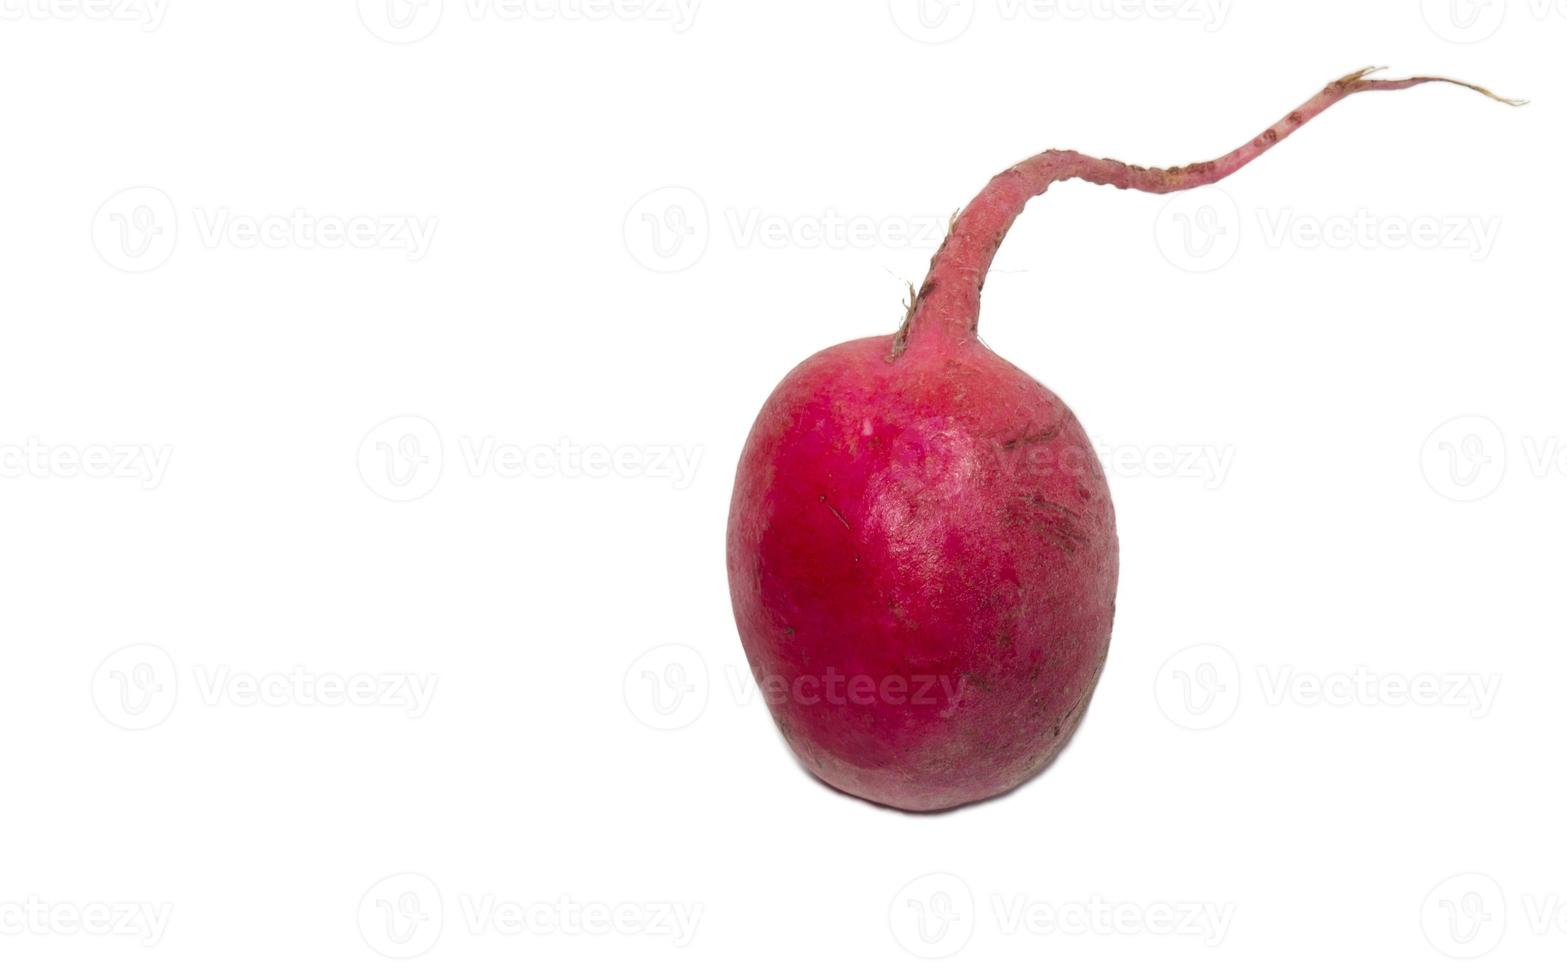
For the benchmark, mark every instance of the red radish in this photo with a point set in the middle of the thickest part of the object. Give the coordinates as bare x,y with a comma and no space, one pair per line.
922,550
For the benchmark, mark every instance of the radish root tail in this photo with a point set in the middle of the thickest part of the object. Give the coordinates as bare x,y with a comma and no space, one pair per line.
948,302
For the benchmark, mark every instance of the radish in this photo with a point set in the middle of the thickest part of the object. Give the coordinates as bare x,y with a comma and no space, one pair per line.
921,547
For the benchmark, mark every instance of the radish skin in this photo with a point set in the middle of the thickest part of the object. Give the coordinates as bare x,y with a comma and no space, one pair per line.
922,550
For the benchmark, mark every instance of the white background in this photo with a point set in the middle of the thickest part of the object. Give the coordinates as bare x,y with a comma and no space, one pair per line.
213,409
